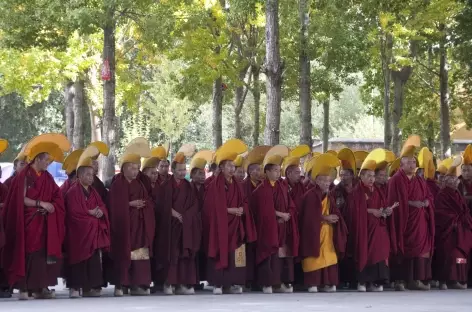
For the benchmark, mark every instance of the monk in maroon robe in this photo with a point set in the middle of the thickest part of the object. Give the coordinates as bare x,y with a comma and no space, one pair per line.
414,227
18,164
178,233
163,171
228,227
278,239
87,219
71,178
214,170
132,225
152,174
33,220
465,188
453,236
296,189
370,224
381,181
323,237
4,289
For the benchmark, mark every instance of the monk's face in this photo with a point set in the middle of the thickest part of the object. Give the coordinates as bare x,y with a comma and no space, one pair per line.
467,172
368,177
323,181
346,176
95,166
19,165
408,164
381,176
151,173
179,171
227,169
254,172
273,172
85,176
163,167
239,174
293,174
198,176
451,181
130,171
42,161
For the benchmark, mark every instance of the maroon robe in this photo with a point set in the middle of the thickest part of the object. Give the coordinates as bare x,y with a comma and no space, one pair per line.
65,187
209,180
224,233
413,236
176,244
369,234
32,238
248,188
8,181
162,179
86,236
3,197
199,193
453,235
310,219
273,235
131,229
433,187
296,192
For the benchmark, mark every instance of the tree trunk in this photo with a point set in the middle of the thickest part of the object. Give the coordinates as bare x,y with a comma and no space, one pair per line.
96,133
256,93
305,86
444,96
239,99
386,61
110,126
217,113
69,110
273,70
399,86
79,99
325,124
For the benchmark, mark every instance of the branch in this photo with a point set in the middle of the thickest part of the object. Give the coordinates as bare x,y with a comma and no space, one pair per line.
429,85
427,68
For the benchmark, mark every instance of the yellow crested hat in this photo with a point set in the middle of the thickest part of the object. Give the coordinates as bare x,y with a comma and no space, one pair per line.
426,162
332,152
394,166
323,165
3,145
185,151
238,162
290,161
159,152
102,148
409,147
256,156
149,162
88,155
275,155
55,144
71,161
444,165
136,149
377,159
230,150
467,155
348,159
360,157
201,159
300,151
453,166
308,164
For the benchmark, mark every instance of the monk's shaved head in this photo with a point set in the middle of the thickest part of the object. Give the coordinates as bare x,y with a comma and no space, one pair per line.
466,172
85,176
293,174
408,165
130,171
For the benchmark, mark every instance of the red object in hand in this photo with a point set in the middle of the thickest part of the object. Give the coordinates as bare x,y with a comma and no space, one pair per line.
106,75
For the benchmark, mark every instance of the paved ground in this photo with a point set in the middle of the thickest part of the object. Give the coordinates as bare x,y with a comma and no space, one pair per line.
389,301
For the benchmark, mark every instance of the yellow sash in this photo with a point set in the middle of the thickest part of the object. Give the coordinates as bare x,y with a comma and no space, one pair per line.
240,257
327,252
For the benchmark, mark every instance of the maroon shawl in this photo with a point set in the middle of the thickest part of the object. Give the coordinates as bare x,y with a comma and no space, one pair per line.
224,233
414,227
266,200
85,233
100,188
65,187
296,192
453,221
174,239
310,219
25,227
130,228
368,234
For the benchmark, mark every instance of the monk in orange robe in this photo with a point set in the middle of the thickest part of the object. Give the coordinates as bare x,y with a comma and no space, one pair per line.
87,218
132,226
323,233
33,220
178,233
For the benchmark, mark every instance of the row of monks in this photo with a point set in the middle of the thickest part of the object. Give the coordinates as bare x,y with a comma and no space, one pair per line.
268,219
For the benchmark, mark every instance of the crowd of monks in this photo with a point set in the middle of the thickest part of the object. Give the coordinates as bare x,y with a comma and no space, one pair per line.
270,219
